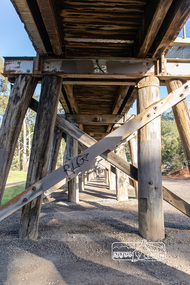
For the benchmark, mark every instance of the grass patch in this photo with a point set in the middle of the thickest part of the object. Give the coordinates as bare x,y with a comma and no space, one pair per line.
16,176
11,192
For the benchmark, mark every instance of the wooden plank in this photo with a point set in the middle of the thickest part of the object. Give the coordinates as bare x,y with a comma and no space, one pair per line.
173,23
87,119
39,157
19,101
131,97
151,22
182,118
71,98
64,103
83,162
119,100
150,211
54,151
26,17
122,93
50,22
176,201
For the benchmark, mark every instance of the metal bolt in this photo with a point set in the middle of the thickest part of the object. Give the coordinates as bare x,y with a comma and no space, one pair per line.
34,188
25,200
150,182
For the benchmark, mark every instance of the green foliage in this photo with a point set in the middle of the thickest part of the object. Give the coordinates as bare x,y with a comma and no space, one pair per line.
172,151
11,192
16,176
167,116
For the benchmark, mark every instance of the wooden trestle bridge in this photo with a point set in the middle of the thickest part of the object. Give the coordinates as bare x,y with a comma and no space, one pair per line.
97,58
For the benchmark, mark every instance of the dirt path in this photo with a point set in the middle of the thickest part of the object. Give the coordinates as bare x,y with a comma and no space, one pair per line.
75,243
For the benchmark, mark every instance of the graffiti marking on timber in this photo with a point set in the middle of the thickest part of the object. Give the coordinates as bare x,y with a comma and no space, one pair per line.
78,161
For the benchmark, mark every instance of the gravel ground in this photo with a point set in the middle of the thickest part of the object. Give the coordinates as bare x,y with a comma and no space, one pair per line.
74,245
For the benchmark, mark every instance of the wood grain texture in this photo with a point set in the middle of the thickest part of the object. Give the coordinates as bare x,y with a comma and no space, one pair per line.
150,212
133,150
152,20
122,180
19,101
73,184
182,118
39,157
48,15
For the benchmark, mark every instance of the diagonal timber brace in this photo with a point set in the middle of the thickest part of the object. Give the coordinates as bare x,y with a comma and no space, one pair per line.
84,161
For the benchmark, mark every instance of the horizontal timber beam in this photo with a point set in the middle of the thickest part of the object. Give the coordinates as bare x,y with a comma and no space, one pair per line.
95,119
79,70
130,68
85,160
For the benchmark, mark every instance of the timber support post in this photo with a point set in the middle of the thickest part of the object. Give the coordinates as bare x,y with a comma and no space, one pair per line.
73,184
19,101
151,219
112,178
182,118
122,180
133,150
42,140
53,156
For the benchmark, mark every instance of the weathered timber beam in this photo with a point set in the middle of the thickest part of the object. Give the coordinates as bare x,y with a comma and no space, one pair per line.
122,93
85,160
19,100
95,119
153,18
132,68
120,102
71,98
123,72
182,119
173,23
64,103
39,157
49,19
178,68
176,201
26,17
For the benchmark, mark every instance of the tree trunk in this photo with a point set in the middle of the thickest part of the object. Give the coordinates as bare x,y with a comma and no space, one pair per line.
19,101
41,144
